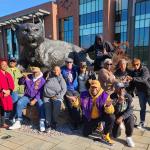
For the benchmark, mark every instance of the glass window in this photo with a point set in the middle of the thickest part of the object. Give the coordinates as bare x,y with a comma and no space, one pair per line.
146,37
143,8
141,42
137,24
124,15
88,17
88,7
12,44
136,37
138,9
124,4
147,22
142,23
66,29
93,6
147,7
91,21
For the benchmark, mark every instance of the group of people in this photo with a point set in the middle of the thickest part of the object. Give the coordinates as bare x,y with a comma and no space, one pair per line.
101,101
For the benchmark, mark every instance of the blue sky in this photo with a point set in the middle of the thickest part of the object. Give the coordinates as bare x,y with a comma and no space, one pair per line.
11,6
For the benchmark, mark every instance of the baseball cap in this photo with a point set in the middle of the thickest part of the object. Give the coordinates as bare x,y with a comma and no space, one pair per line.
119,85
35,69
13,59
95,83
83,64
69,60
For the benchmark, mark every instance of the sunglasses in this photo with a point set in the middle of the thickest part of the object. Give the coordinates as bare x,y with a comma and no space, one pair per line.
68,62
109,64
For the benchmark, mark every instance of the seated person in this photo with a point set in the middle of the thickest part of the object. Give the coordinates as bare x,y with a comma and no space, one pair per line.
33,91
70,74
123,112
53,95
96,106
84,77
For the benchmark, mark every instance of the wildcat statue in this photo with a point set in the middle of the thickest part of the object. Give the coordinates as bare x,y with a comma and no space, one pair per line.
42,52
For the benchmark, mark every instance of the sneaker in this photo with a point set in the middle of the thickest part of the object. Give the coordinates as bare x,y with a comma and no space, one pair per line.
16,125
122,126
107,139
141,125
42,126
130,142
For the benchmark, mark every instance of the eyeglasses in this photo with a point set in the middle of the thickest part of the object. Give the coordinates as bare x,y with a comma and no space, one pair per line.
109,64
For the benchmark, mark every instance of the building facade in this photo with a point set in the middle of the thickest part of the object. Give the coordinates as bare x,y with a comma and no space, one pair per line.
78,21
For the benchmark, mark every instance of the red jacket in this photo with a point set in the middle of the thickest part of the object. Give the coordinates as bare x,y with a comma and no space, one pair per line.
6,83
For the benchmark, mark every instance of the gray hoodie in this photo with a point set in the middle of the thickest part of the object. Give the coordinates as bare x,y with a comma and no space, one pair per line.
55,86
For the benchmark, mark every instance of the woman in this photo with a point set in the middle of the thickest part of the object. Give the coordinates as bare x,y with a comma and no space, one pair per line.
6,87
106,76
54,91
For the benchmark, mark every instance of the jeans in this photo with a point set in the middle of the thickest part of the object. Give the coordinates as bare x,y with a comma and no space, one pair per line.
15,97
52,110
142,101
22,104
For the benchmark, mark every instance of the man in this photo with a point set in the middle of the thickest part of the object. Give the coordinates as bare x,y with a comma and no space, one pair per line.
96,107
54,91
6,87
102,51
33,95
122,103
140,80
70,74
16,74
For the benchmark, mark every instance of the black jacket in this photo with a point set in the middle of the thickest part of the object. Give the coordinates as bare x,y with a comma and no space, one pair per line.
98,49
141,79
117,106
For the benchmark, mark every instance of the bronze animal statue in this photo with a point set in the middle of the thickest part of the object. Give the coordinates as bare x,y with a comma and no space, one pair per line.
42,52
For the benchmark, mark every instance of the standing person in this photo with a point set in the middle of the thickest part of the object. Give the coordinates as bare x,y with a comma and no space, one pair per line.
106,76
16,74
6,87
33,95
140,80
122,103
70,74
102,49
123,74
53,96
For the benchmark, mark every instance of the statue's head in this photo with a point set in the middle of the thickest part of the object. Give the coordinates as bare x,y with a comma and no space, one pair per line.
30,35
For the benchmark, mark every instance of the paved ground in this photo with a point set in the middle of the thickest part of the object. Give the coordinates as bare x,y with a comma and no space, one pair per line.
21,140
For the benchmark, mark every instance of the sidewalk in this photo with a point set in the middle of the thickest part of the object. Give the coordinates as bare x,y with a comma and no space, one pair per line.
21,140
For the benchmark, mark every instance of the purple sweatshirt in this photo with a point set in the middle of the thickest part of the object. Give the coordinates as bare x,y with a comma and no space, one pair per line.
30,90
87,103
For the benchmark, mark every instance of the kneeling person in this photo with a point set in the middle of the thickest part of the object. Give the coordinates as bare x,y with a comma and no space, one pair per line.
96,106
123,112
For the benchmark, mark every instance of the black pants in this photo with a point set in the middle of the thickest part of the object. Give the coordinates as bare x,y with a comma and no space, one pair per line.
129,126
75,113
91,125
